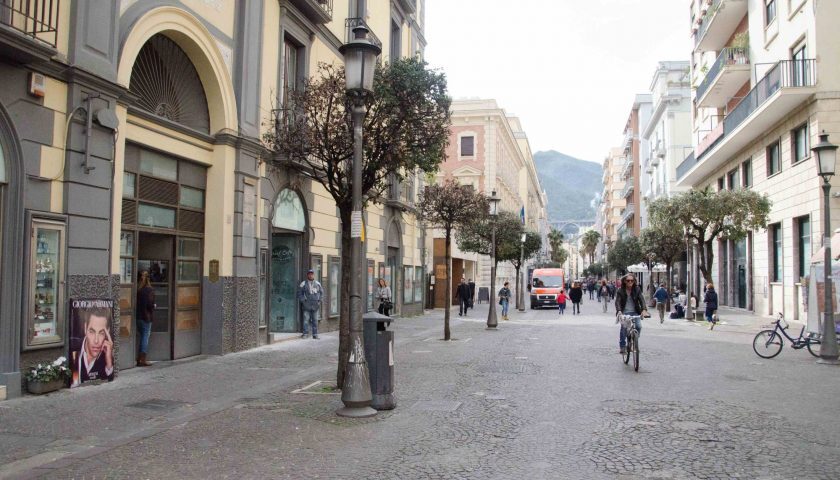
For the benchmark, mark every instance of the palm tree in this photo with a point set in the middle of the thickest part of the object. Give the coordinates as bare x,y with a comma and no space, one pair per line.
590,244
555,239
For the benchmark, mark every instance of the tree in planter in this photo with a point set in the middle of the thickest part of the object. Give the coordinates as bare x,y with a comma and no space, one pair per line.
709,215
450,206
406,129
666,239
517,255
624,253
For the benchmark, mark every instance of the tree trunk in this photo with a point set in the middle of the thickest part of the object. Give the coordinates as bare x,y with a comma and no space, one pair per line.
448,285
344,297
668,285
518,286
707,257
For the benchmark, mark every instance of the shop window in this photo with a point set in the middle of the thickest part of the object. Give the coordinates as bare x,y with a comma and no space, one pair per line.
418,284
408,284
371,284
45,320
316,263
192,198
263,286
189,248
799,145
129,185
157,165
334,282
154,216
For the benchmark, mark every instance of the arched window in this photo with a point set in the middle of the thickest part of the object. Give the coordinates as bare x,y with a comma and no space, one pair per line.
168,85
288,212
2,166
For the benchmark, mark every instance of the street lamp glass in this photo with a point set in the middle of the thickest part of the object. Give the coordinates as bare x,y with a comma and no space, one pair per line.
494,203
359,61
523,237
826,154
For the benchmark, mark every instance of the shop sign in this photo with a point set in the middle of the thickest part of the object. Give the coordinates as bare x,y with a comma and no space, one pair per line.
214,271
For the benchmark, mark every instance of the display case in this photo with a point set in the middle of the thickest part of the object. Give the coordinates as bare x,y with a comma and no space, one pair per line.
45,311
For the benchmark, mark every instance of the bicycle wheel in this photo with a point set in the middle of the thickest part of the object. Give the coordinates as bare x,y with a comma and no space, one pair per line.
635,351
627,350
767,344
814,347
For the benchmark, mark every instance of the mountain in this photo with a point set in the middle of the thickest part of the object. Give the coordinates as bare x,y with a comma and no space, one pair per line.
570,184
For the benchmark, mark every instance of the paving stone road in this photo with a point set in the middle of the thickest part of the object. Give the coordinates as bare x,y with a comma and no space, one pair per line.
545,396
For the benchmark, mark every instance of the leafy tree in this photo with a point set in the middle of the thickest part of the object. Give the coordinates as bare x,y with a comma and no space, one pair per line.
450,206
647,243
533,243
595,270
667,242
559,256
624,253
709,215
406,129
589,243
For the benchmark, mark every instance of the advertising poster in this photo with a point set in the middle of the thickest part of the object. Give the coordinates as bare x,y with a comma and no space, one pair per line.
91,341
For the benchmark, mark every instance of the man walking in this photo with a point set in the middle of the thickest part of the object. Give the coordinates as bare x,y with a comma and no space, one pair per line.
472,293
310,293
463,295
661,296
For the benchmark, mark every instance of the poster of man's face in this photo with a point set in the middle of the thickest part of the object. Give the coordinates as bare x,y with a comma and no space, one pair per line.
91,341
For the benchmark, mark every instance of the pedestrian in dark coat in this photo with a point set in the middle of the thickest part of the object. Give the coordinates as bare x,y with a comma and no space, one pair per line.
711,301
463,294
575,295
472,293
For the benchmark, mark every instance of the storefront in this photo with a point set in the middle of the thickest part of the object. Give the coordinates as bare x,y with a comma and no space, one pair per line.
289,241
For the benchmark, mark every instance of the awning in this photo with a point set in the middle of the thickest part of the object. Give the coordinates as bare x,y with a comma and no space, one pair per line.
642,268
835,249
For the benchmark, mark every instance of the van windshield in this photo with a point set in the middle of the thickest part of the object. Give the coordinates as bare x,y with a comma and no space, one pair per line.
549,281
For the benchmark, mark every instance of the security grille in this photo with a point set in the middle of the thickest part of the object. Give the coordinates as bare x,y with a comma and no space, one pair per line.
158,191
129,212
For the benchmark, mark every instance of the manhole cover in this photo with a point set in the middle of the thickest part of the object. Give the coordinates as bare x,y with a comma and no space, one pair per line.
158,404
436,406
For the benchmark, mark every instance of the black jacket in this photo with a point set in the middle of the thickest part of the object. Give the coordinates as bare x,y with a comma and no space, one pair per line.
638,299
464,292
711,299
575,294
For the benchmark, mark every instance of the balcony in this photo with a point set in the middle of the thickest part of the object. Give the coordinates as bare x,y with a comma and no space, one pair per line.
28,29
627,170
317,11
718,23
628,189
785,86
728,74
408,6
352,23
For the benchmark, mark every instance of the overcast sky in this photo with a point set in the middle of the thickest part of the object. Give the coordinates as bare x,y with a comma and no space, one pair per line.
568,68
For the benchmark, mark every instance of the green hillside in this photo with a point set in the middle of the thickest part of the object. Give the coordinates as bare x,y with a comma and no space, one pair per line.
570,184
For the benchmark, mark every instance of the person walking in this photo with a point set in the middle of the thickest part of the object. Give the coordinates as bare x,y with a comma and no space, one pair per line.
591,287
611,287
561,301
661,296
383,294
629,300
463,295
576,295
310,294
711,301
604,294
504,300
145,312
472,293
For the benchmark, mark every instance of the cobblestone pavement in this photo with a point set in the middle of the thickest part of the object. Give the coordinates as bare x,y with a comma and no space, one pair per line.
545,396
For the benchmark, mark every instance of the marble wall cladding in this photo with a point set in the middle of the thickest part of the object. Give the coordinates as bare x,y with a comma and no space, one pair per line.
228,314
246,318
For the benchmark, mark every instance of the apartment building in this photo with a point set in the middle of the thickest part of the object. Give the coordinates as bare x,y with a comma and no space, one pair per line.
613,201
766,79
489,150
130,141
634,149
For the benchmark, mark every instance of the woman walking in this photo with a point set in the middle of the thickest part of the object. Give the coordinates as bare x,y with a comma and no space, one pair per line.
561,301
711,301
145,313
504,300
576,294
383,294
604,294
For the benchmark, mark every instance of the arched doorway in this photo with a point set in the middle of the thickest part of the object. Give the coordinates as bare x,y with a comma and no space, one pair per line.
288,239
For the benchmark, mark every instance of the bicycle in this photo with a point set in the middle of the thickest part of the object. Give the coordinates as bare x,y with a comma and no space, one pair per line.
632,350
768,343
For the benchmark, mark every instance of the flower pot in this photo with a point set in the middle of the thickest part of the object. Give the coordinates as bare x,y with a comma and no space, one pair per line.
39,388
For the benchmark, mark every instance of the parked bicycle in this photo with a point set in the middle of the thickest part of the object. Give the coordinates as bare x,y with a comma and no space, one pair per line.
632,350
768,343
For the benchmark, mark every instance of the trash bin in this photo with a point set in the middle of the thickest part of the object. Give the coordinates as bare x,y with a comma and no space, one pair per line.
379,354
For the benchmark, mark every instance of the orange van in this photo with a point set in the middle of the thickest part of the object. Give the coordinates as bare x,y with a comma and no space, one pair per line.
545,285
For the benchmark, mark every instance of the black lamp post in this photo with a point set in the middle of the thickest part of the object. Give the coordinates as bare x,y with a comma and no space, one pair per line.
492,321
359,65
826,154
520,295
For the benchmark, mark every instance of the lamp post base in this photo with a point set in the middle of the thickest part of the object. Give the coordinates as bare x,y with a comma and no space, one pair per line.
355,412
828,361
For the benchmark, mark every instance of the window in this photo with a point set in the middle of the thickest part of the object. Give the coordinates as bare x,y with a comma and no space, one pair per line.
371,284
733,180
799,143
288,211
803,230
776,247
263,268
192,198
126,258
746,173
800,66
769,11
396,40
334,284
408,284
45,318
467,146
154,216
418,284
774,162
157,165
129,181
316,263
721,183
291,69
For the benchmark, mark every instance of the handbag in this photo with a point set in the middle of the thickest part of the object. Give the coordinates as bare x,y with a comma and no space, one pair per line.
387,304
501,301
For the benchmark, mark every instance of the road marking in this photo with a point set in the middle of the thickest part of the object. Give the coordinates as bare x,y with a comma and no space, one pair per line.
422,351
520,358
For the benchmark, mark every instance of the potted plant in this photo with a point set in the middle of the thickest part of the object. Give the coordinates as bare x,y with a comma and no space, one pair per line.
46,378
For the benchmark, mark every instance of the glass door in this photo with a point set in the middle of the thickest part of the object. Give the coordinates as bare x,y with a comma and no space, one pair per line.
154,256
187,337
285,277
741,266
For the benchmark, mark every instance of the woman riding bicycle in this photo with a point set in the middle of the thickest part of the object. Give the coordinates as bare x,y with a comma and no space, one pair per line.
629,300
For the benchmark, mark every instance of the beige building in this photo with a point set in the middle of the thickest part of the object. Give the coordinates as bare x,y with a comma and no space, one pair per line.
766,80
489,150
613,200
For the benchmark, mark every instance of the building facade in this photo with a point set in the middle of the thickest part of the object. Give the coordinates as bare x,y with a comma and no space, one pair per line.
634,148
613,200
766,79
130,138
489,150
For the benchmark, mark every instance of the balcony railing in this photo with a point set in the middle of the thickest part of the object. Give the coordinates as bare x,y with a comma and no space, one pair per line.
34,18
686,165
352,23
787,73
628,212
728,56
706,21
628,189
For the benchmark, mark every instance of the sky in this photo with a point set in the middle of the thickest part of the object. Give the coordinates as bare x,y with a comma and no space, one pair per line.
569,69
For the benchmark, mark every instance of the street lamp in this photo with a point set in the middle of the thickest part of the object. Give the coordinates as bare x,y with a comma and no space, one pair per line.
826,154
359,65
689,312
492,321
520,300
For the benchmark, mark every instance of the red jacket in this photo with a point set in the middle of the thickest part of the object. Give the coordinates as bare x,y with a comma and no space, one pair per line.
561,298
